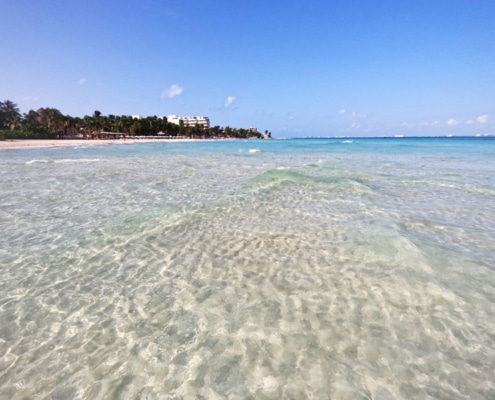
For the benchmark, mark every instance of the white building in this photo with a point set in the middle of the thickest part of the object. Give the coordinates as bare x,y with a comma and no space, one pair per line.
189,121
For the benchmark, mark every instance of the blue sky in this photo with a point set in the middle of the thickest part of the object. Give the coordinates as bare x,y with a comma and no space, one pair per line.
315,68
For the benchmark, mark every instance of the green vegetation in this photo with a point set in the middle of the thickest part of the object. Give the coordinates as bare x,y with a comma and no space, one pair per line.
50,123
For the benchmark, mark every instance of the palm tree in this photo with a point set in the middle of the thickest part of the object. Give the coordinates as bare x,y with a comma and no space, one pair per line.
53,118
31,120
97,119
135,127
10,116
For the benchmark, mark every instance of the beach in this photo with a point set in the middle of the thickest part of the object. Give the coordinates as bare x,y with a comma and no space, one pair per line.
42,143
343,269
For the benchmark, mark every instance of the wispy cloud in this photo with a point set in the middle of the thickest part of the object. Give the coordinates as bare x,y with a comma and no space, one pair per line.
229,101
30,98
452,122
351,115
428,123
82,81
173,91
482,119
355,121
356,115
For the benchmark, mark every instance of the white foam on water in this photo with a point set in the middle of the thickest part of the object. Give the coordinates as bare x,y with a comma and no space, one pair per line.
76,160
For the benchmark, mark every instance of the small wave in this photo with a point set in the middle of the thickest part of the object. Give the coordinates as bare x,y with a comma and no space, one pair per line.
254,150
485,190
278,178
36,161
347,141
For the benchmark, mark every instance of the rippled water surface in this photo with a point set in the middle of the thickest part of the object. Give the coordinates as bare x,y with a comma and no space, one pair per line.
357,269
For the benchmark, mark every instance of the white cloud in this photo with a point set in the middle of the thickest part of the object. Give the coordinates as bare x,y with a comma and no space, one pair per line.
342,111
82,81
30,98
452,122
469,122
482,119
229,101
172,91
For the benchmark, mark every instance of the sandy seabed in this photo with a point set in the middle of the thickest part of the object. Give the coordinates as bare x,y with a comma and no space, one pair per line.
311,270
23,144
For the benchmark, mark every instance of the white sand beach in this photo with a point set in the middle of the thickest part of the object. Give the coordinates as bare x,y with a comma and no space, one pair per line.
23,144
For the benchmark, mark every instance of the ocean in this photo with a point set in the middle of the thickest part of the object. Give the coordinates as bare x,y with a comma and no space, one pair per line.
249,269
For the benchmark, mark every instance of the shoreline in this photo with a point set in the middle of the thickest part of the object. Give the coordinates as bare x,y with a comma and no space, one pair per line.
18,144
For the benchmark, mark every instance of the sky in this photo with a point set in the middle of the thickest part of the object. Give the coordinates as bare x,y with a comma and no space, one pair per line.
294,68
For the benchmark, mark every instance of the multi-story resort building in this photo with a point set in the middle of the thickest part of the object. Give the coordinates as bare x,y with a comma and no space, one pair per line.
190,121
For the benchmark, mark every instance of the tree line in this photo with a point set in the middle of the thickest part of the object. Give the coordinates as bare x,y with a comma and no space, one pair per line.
50,123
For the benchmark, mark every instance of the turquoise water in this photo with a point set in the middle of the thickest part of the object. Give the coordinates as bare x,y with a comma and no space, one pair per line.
336,268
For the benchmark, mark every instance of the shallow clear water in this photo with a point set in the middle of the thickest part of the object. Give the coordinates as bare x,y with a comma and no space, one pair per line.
249,269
